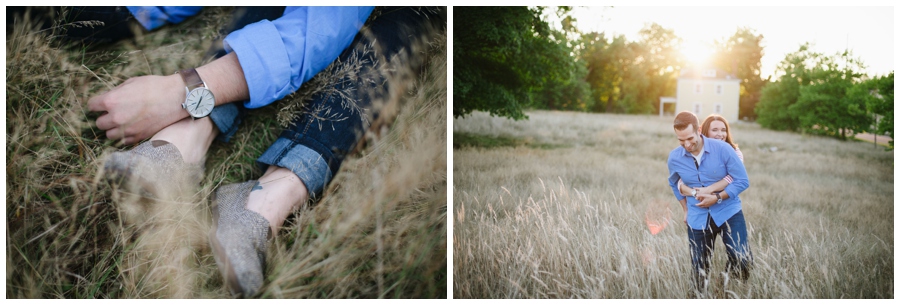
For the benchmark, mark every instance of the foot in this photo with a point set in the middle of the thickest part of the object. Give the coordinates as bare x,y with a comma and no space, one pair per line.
169,165
153,169
239,238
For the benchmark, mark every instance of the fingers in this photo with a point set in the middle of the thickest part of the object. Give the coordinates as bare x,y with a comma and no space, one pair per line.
126,136
102,102
114,120
105,122
96,104
109,121
115,133
129,140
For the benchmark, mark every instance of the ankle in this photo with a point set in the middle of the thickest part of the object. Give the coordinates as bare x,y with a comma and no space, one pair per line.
277,194
191,137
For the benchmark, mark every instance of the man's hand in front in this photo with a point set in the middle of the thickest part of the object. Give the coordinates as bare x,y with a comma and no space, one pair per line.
140,107
706,200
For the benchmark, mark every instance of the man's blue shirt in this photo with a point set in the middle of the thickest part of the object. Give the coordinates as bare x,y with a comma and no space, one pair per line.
719,160
280,55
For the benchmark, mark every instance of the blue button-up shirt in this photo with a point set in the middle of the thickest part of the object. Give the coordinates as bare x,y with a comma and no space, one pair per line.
719,159
280,55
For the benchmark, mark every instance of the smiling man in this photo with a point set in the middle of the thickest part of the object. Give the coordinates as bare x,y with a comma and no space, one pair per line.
700,161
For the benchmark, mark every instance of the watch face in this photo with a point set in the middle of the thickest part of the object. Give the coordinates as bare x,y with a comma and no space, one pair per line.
199,103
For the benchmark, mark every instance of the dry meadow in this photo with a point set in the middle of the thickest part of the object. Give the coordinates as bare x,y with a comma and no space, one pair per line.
378,232
561,206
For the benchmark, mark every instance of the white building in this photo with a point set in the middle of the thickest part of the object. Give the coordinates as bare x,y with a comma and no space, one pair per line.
704,92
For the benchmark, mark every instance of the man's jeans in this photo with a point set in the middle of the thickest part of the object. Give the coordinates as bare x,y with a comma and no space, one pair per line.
734,235
316,143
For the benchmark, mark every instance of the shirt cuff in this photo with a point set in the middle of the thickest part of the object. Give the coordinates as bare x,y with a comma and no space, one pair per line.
260,72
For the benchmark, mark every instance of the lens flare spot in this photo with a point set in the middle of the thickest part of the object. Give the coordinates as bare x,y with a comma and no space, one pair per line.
657,216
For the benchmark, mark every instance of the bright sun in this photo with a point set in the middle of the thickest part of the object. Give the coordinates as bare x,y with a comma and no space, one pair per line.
696,53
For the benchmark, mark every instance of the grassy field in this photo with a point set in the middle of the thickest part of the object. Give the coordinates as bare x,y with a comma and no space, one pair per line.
378,232
559,206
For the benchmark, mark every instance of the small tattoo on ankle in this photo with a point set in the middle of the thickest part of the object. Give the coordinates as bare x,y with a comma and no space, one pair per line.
256,187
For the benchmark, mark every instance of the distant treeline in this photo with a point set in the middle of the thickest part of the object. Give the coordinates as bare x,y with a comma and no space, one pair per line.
507,59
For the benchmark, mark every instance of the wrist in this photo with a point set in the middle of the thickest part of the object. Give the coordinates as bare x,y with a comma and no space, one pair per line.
175,88
225,78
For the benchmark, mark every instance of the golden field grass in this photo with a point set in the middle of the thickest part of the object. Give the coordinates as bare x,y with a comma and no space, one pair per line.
378,232
555,207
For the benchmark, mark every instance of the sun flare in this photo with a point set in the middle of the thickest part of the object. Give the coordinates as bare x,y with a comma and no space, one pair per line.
696,53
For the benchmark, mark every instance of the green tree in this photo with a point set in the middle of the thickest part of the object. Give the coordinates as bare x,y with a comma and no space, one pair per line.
818,94
878,96
568,89
655,69
607,60
740,55
505,57
883,106
629,77
773,110
824,107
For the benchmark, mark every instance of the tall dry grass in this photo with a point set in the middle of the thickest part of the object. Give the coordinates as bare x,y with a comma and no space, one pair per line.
379,231
569,219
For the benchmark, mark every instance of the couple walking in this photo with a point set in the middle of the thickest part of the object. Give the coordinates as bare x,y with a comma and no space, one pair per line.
706,174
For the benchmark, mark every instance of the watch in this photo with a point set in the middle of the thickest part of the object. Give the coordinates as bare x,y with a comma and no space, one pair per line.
718,197
198,100
693,192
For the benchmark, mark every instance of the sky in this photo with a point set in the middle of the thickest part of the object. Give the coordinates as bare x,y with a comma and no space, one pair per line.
867,31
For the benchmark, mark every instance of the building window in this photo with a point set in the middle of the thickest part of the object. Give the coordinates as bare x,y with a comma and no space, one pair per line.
710,73
698,88
697,108
719,108
719,89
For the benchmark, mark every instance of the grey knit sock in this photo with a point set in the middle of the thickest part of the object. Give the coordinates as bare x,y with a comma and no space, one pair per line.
239,239
155,169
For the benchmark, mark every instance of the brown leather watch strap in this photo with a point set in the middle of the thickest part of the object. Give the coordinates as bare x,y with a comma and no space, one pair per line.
191,78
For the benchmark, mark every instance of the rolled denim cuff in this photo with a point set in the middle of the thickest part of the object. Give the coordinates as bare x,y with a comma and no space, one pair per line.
304,162
226,117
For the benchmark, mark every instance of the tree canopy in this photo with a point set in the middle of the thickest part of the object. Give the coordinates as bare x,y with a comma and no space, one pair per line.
827,95
741,55
506,58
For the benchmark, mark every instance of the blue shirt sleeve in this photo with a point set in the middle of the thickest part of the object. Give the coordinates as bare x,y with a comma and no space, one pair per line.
152,17
278,56
735,168
673,176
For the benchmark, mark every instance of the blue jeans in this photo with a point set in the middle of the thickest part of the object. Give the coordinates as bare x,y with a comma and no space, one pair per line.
734,236
316,143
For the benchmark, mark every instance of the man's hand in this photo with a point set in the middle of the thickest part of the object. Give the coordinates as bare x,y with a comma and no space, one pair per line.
140,107
705,190
706,200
